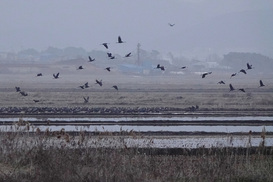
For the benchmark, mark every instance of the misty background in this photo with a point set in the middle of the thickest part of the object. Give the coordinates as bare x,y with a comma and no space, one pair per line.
208,35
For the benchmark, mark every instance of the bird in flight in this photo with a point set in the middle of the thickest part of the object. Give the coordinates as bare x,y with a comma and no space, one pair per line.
112,57
86,85
18,89
119,40
183,67
232,75
105,45
231,87
115,87
80,68
242,71
81,86
23,93
171,24
108,69
39,74
128,55
109,54
35,100
86,99
221,82
90,59
261,84
205,74
99,82
56,76
243,90
249,67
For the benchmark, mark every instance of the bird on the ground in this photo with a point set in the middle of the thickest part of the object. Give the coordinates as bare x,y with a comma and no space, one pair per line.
205,74
90,59
249,66
128,55
261,84
56,76
86,99
80,68
99,82
242,71
23,93
231,88
105,45
232,75
35,100
115,87
108,69
243,90
39,74
120,40
18,89
221,82
171,24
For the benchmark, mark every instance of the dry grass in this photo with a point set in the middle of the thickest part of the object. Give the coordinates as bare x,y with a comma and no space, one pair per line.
60,157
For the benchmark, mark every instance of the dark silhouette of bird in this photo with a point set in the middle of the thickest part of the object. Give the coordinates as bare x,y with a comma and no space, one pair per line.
90,59
18,89
221,82
261,84
115,87
232,75
82,86
86,99
35,100
23,93
205,74
56,76
86,85
109,54
119,40
108,69
242,71
171,25
160,67
39,74
99,82
183,67
80,68
243,90
249,67
113,57
105,45
128,55
231,87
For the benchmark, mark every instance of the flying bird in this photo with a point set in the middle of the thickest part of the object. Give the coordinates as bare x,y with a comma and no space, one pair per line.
108,69
23,93
119,40
113,57
35,100
249,67
82,86
231,87
86,99
243,90
18,89
99,82
232,75
90,59
243,71
221,82
105,45
205,74
109,54
86,85
128,55
171,25
56,76
261,84
39,74
115,87
80,68
183,67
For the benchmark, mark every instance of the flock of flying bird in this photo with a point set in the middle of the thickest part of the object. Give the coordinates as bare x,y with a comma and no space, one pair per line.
86,85
111,56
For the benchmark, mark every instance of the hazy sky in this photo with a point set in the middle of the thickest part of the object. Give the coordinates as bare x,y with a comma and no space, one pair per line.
88,23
